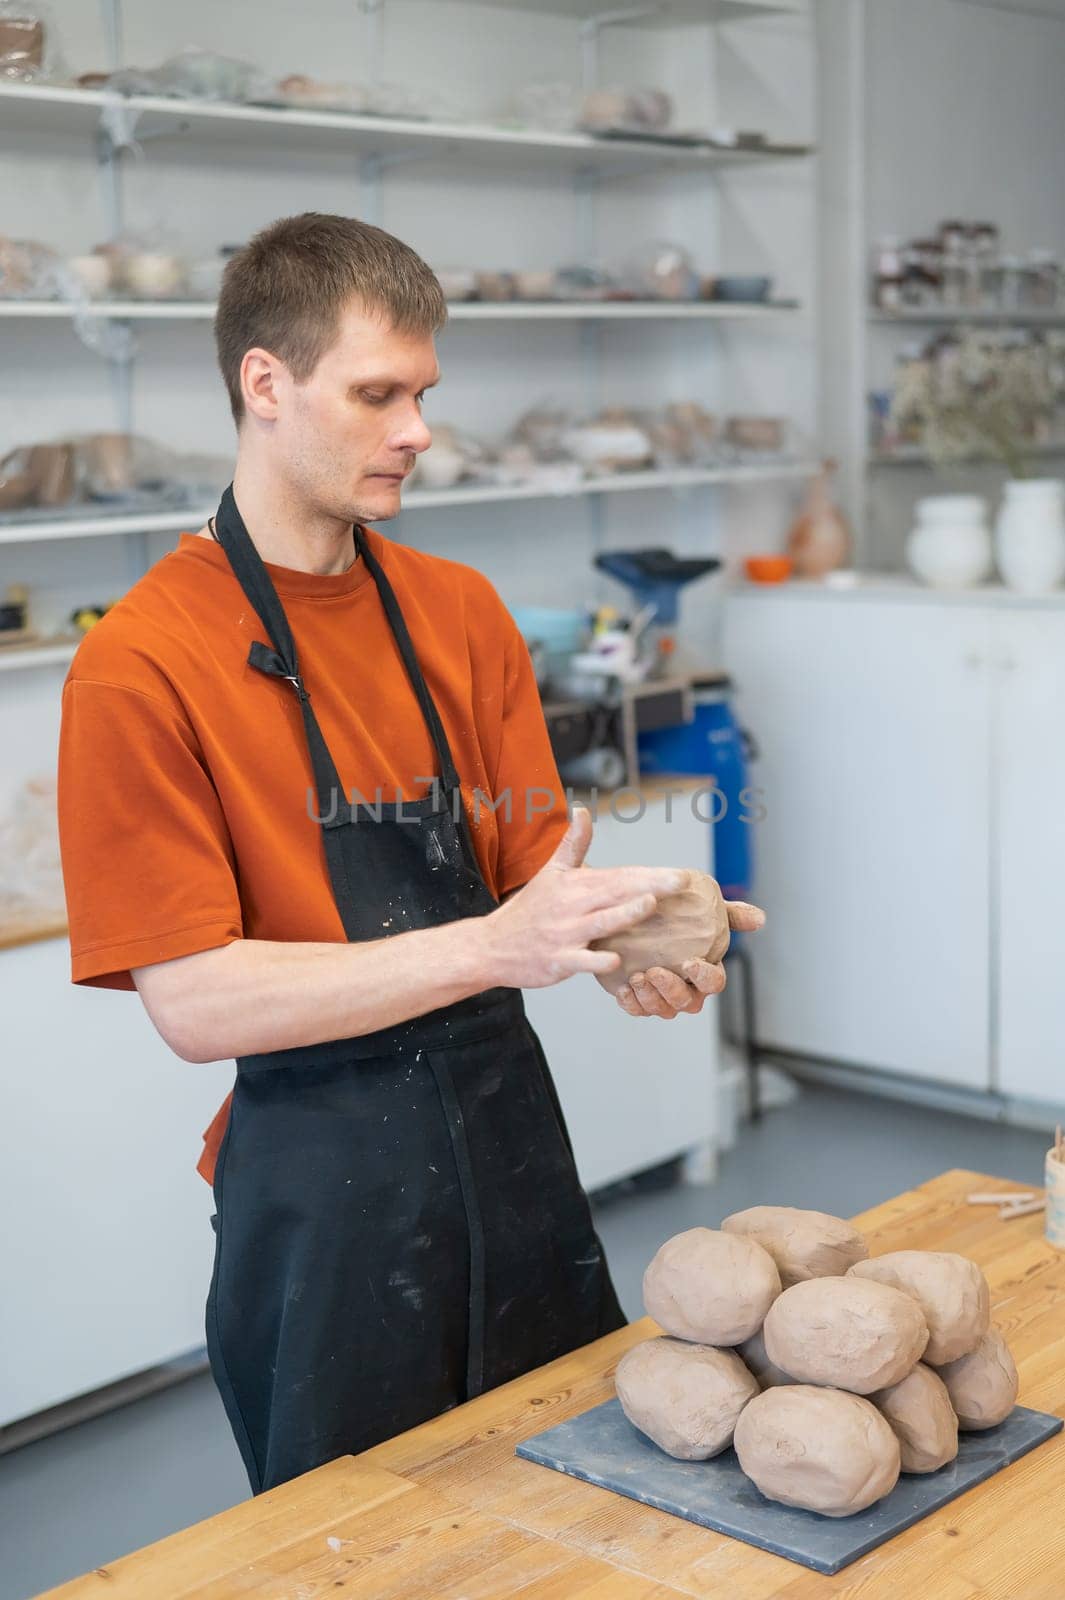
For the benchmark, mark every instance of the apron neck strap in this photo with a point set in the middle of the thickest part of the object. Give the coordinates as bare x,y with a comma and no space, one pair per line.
448,775
282,661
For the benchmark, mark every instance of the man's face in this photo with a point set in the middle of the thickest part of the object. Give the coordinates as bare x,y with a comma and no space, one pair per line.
348,435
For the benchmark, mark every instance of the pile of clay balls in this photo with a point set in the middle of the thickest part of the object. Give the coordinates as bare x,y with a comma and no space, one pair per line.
829,1372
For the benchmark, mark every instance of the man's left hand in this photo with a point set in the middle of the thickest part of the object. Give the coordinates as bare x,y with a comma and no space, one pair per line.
661,993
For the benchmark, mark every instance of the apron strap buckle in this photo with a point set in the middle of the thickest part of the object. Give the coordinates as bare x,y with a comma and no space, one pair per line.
275,666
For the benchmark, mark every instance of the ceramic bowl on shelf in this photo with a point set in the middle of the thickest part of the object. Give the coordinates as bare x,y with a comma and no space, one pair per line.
768,569
91,273
750,290
152,276
458,283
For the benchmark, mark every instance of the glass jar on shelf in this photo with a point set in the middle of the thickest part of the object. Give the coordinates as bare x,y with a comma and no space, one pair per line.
1013,286
952,237
955,279
888,276
1043,280
985,246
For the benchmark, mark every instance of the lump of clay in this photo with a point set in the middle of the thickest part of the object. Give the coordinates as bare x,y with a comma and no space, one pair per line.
689,925
710,1287
752,1353
686,1397
817,1448
804,1244
847,1332
982,1385
950,1289
920,1412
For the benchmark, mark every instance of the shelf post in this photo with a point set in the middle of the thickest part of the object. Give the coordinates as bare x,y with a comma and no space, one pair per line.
592,27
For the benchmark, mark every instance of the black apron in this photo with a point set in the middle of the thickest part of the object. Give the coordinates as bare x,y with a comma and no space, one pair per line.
400,1225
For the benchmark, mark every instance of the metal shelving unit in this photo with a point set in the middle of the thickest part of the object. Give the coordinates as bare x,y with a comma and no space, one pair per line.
944,316
676,480
458,311
117,124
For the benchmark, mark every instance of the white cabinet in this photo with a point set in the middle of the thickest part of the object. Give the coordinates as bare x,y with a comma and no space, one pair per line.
1027,673
872,860
108,1247
634,1091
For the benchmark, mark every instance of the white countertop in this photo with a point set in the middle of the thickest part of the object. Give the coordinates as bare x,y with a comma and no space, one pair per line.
856,586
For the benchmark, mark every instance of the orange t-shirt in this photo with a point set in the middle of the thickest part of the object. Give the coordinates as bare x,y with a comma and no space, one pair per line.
185,784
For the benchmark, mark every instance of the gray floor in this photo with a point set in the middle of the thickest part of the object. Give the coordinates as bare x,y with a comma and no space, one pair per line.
86,1496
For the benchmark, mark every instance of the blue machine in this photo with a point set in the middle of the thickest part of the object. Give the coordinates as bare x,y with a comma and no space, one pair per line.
714,744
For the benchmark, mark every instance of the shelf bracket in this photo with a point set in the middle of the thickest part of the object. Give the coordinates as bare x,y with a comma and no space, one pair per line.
373,12
592,27
372,168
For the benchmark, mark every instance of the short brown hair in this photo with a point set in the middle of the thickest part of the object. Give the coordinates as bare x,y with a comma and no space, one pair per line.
285,290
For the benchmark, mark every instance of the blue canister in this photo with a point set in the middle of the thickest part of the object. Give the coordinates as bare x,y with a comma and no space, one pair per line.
714,744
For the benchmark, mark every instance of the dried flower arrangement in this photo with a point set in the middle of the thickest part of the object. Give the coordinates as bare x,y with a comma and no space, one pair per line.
983,395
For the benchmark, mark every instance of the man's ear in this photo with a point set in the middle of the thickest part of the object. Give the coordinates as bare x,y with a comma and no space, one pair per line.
261,376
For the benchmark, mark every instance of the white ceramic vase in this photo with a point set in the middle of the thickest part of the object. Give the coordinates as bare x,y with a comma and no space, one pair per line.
1030,535
950,545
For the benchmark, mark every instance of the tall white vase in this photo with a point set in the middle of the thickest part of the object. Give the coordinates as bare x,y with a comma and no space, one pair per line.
1030,535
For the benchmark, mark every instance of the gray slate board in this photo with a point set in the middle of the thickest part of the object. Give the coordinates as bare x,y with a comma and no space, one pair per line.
602,1447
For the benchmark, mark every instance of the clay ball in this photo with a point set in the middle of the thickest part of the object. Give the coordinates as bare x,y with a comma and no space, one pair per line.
922,1417
753,1355
686,1397
950,1289
845,1332
817,1448
690,924
804,1244
710,1287
983,1384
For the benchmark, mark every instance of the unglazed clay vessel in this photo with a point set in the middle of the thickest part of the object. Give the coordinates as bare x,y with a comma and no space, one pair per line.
689,925
804,1244
685,1397
950,1289
817,1448
847,1332
922,1417
752,1353
983,1384
710,1287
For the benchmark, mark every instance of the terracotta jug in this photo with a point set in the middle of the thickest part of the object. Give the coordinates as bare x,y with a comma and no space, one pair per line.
820,538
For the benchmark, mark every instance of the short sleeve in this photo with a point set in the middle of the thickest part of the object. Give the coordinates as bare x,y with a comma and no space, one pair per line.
147,860
532,826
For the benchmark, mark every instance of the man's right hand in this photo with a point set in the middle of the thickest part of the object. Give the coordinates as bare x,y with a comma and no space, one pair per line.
541,934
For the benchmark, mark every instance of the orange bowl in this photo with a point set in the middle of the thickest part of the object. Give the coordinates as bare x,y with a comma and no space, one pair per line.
768,569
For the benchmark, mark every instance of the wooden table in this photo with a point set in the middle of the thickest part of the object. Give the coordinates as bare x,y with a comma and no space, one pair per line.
448,1512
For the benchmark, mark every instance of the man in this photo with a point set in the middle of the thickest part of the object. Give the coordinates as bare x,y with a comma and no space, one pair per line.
282,746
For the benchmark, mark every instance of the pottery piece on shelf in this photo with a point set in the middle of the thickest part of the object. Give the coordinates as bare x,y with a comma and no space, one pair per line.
153,276
51,467
750,290
91,273
609,445
756,433
660,270
820,537
535,285
495,286
16,481
1030,535
950,545
458,283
